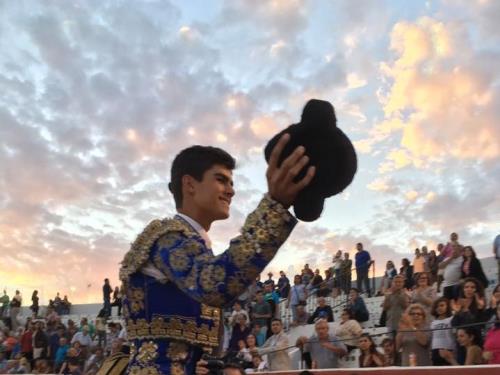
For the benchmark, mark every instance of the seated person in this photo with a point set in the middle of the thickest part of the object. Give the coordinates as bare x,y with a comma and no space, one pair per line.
323,311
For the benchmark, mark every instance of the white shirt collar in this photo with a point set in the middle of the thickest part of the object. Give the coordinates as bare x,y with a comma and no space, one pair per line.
198,228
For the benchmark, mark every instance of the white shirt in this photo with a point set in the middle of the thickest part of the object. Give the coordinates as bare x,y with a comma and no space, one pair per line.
151,270
453,272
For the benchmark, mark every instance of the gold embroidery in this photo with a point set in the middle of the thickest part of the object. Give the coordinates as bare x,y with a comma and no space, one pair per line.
149,370
176,329
139,251
136,298
148,352
209,312
177,351
179,260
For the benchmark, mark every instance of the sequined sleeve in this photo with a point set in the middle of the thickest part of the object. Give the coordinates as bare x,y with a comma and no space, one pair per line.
217,280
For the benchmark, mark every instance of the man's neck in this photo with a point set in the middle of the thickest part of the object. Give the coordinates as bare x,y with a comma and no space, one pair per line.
196,216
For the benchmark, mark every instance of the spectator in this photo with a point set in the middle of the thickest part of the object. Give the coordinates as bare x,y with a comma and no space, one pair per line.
34,303
58,304
260,335
316,281
271,297
448,249
74,366
363,263
389,274
261,312
337,267
494,302
395,302
15,307
432,263
357,305
423,293
418,263
65,306
370,357
54,342
259,364
496,253
348,330
111,336
240,332
411,338
469,308
26,341
442,334
82,337
452,266
269,280
71,329
117,300
301,317
276,348
391,356
237,309
323,311
61,352
42,367
425,254
283,285
440,271
346,269
40,341
106,295
468,339
471,267
492,341
406,271
4,300
297,296
250,347
100,326
324,347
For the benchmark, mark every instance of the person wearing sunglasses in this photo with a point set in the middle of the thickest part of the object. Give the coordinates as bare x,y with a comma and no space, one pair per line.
412,340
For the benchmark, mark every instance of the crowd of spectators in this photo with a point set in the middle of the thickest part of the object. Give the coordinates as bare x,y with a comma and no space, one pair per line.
434,309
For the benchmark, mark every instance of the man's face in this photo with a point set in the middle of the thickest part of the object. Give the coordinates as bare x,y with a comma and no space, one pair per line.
322,330
212,195
359,247
276,327
398,283
453,237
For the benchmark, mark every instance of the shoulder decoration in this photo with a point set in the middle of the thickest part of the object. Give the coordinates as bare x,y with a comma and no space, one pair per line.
139,252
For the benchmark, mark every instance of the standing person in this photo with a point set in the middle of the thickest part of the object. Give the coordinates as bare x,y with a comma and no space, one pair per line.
15,307
412,339
283,285
4,301
40,342
297,296
363,263
324,347
440,271
117,300
173,257
395,302
26,341
276,348
448,249
336,268
433,266
106,295
452,273
389,274
418,263
471,267
346,270
406,270
492,341
240,332
34,303
262,313
442,331
496,253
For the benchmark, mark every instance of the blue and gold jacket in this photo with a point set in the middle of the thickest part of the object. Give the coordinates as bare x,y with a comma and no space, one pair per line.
173,319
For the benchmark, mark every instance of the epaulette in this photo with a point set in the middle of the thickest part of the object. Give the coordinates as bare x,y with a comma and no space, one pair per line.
138,254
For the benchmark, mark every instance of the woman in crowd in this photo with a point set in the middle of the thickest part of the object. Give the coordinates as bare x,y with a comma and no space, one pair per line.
389,273
370,357
34,303
237,309
492,341
494,301
406,271
442,333
395,302
418,263
471,267
414,341
432,263
468,339
348,330
240,332
297,295
423,293
469,308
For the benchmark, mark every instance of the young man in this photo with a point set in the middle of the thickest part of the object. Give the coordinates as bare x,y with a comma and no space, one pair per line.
363,263
174,285
276,348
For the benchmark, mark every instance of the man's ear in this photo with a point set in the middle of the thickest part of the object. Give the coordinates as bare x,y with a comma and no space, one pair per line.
188,184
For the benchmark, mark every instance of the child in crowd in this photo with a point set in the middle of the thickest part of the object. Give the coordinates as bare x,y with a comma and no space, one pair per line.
442,334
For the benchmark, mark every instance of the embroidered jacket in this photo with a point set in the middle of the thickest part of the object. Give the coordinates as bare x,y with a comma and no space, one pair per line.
172,319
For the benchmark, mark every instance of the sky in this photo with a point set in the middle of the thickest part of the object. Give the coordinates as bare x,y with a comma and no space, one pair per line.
99,96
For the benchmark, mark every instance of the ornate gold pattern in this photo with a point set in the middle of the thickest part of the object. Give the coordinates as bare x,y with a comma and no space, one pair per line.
136,298
148,352
177,351
149,370
138,254
179,260
174,328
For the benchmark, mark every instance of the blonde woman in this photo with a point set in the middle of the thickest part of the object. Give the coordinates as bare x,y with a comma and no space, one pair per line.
411,340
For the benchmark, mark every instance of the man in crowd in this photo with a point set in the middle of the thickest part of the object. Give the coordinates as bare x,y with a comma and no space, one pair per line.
324,347
363,263
496,253
452,275
395,302
4,303
276,348
106,296
346,270
283,285
323,311
261,312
